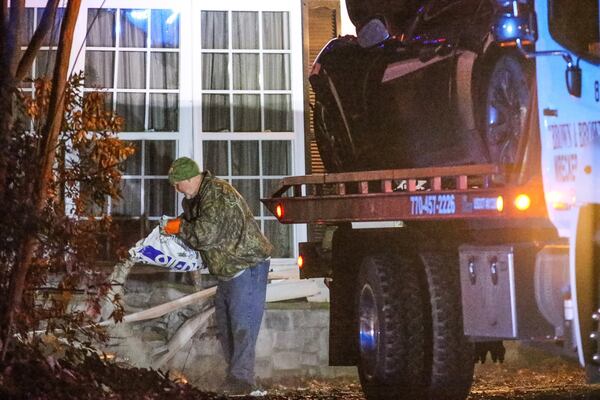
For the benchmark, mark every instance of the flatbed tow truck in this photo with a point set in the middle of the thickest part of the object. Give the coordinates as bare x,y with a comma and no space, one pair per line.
431,269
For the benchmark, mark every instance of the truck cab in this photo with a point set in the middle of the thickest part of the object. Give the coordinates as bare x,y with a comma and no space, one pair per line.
568,83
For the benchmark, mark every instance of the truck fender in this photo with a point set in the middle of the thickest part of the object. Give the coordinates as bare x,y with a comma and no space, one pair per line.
464,89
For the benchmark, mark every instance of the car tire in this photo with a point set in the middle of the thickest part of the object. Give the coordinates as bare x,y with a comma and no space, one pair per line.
394,13
506,95
391,319
358,10
452,355
332,131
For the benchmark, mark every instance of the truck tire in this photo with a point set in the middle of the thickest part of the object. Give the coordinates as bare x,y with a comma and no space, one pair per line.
453,361
506,96
391,320
587,259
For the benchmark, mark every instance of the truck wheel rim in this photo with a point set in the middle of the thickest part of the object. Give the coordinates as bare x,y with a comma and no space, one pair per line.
368,331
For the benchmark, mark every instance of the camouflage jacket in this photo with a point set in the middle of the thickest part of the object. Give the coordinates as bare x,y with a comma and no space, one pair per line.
219,224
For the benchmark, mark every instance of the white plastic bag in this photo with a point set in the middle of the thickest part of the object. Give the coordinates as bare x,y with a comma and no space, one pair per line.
166,251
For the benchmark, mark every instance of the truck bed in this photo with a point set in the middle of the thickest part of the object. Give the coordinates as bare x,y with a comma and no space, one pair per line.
460,192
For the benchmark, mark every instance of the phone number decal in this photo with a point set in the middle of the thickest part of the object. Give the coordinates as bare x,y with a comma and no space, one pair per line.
441,204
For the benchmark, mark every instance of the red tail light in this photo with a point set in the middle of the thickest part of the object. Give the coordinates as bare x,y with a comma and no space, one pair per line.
279,211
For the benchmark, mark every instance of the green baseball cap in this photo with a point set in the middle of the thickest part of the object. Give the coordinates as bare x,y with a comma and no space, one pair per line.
183,168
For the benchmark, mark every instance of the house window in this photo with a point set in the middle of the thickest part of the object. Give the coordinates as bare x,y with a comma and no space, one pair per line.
247,118
245,72
217,81
43,65
133,54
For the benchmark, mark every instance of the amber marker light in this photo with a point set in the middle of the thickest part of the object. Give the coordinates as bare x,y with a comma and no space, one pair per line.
300,262
500,203
522,202
279,211
557,200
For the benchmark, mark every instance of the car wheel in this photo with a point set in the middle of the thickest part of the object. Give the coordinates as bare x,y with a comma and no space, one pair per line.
391,329
506,98
332,131
394,13
358,10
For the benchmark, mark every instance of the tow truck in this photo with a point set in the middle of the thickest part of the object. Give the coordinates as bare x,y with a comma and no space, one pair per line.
431,268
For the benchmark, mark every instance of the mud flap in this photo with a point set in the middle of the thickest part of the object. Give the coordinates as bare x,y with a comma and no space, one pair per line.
584,287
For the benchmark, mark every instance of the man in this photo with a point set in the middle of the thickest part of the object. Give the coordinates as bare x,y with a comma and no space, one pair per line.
218,223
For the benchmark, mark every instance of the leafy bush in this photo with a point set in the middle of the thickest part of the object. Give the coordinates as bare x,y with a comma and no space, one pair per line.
72,226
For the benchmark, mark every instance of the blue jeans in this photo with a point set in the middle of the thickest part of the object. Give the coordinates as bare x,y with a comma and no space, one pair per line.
239,307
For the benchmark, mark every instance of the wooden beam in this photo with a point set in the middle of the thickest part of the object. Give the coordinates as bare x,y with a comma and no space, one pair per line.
183,335
162,309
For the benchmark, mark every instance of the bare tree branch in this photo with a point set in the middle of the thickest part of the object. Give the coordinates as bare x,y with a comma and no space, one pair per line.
36,41
3,22
11,43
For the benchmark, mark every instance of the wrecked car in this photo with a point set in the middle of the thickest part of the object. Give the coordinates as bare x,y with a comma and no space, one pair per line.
424,83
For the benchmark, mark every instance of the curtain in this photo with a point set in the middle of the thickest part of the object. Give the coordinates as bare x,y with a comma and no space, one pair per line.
134,28
214,30
246,113
244,158
214,71
164,112
99,68
276,30
101,26
245,72
244,25
215,155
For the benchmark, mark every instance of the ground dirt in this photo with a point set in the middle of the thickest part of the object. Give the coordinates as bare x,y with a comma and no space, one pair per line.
527,374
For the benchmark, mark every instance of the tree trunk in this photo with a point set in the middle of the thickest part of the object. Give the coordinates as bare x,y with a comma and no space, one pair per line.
15,70
50,135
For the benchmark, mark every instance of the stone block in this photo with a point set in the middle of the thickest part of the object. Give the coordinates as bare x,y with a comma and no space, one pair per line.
309,359
208,346
278,320
264,344
315,319
323,340
263,368
297,318
138,300
164,295
286,360
310,340
288,340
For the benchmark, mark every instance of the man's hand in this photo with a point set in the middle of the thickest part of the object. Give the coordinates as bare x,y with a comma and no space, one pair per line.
172,226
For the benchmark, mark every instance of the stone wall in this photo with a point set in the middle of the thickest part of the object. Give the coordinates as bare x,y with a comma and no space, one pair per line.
293,340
